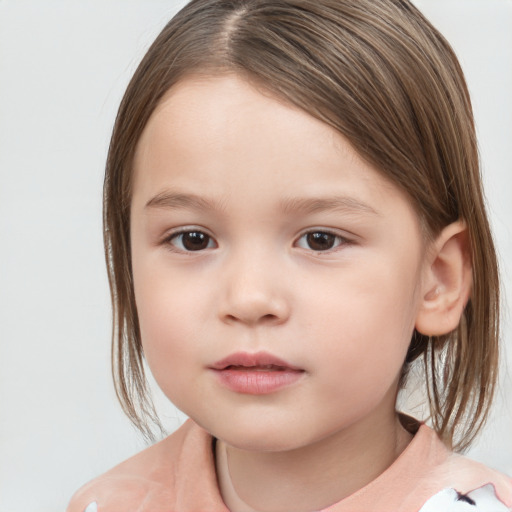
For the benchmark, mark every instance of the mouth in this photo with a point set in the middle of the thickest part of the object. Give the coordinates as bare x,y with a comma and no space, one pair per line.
260,360
256,374
258,368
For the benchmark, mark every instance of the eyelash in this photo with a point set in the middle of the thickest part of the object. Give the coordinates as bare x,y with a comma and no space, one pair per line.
337,239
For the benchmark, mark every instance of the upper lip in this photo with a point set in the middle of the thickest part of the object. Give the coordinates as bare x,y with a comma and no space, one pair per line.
249,360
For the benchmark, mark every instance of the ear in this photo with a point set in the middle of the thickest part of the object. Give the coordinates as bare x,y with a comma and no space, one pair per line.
447,281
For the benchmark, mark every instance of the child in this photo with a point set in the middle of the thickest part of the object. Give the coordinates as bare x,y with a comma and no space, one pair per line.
294,217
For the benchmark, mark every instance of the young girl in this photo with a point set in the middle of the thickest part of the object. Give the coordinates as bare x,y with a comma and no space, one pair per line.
293,219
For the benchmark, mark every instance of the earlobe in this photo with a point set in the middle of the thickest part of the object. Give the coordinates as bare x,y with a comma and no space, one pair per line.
447,282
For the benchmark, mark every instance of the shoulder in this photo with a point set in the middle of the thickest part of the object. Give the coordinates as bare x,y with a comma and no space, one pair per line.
459,483
148,480
466,475
111,492
431,478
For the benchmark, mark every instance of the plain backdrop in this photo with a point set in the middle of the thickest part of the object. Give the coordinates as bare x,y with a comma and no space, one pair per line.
63,68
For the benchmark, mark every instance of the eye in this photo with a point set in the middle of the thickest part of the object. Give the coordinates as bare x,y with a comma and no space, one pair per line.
320,241
192,240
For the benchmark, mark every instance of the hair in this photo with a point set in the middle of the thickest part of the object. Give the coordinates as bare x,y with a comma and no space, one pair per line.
381,75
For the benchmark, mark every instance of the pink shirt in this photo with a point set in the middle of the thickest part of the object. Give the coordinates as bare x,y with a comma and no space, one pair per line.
178,475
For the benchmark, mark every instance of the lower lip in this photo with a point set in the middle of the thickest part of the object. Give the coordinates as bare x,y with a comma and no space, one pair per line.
258,382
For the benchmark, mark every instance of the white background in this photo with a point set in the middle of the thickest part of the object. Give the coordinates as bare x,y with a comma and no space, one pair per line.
63,68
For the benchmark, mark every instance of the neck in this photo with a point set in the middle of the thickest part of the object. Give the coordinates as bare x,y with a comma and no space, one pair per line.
315,476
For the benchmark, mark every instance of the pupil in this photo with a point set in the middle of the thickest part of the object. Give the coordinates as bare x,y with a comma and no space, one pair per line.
320,241
195,241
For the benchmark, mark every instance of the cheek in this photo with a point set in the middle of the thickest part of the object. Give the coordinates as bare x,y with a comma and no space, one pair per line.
365,304
364,322
173,328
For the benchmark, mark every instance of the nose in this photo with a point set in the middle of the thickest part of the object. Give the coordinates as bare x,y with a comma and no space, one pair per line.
253,293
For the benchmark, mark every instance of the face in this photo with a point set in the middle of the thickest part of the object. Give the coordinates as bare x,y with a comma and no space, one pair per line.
277,275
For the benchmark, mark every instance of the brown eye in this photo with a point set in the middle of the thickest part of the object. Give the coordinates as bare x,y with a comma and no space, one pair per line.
192,241
320,241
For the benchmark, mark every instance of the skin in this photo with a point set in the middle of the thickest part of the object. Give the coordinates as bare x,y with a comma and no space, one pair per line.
344,315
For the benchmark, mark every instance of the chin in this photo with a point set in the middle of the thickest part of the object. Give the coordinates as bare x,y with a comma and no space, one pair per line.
260,436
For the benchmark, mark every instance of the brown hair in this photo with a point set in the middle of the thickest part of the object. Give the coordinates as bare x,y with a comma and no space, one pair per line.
380,74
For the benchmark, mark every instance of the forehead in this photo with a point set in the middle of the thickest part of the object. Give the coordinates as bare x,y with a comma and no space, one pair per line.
225,108
224,136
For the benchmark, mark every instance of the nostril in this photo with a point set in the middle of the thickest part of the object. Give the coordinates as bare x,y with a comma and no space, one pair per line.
253,319
268,318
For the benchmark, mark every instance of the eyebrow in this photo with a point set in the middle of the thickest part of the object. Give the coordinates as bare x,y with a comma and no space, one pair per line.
335,203
172,200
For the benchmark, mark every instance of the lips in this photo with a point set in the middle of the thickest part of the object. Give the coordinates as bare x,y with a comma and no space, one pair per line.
261,360
256,374
257,368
